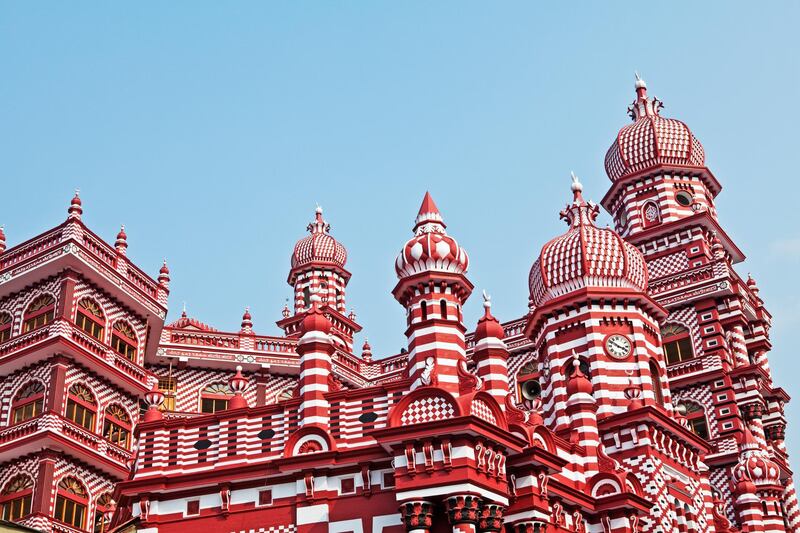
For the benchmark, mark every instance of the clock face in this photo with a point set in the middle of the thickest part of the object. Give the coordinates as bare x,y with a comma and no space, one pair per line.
618,346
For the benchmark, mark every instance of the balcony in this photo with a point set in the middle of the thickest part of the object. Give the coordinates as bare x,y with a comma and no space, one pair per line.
36,345
54,431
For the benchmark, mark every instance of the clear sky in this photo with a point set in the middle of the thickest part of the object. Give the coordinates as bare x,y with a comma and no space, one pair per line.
211,130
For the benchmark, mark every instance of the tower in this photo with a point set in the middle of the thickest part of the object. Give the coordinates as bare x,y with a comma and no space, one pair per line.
318,266
433,287
716,333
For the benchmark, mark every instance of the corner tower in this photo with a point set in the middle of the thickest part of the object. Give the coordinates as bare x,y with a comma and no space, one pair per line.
433,287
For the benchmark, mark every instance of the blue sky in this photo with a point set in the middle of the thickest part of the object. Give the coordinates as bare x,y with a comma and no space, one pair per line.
212,130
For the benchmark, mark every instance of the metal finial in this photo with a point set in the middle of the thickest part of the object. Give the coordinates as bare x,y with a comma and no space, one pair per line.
487,299
640,83
577,186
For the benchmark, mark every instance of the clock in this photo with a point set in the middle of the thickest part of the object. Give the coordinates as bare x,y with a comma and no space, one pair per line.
618,346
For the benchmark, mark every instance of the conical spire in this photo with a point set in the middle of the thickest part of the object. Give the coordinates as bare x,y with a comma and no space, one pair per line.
428,213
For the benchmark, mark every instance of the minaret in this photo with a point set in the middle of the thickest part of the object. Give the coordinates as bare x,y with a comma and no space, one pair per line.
491,354
433,287
315,349
121,244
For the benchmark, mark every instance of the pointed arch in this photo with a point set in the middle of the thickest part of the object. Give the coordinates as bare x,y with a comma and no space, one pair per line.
27,402
215,397
6,322
39,312
72,502
16,498
81,405
90,317
117,425
124,340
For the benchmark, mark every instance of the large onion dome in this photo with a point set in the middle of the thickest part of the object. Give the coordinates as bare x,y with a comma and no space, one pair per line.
585,256
318,248
754,463
431,248
651,140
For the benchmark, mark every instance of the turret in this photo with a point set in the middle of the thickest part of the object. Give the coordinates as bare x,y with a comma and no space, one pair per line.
121,244
433,287
491,354
75,207
315,349
238,384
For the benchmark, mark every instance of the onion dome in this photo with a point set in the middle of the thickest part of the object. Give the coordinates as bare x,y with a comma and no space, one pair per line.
754,463
285,312
315,320
75,207
319,247
2,240
651,140
121,243
431,248
247,320
585,256
488,326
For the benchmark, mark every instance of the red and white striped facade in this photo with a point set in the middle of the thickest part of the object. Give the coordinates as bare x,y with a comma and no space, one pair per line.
635,395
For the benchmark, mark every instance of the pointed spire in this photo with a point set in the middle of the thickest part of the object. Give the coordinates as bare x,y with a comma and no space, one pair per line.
428,213
643,106
75,208
2,239
163,277
579,212
122,241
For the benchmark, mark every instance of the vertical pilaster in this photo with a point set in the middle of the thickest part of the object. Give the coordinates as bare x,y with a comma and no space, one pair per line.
315,349
491,355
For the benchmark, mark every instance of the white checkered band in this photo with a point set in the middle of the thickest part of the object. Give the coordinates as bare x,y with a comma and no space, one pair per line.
482,411
290,528
426,410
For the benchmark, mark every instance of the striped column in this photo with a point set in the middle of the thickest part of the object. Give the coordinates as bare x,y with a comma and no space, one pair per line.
582,412
491,354
791,505
738,345
315,349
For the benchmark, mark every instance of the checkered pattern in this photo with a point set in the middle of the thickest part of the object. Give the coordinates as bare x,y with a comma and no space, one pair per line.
10,385
290,528
585,256
720,479
687,317
667,265
16,303
652,140
319,247
104,393
482,411
426,410
95,484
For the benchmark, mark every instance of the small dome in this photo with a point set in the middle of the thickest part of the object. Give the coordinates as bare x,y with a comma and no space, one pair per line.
488,326
319,247
585,256
431,248
754,463
651,140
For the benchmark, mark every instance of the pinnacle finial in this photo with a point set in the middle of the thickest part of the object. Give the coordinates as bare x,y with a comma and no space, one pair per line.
577,186
487,300
640,83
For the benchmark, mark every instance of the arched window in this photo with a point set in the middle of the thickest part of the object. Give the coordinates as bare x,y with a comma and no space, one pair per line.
696,417
215,398
123,340
16,498
306,297
71,502
28,403
424,308
5,327
103,505
677,343
81,406
117,426
443,309
40,312
90,318
655,376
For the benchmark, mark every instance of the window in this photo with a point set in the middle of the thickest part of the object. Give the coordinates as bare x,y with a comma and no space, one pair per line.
123,340
104,504
684,198
696,417
677,343
169,387
306,297
40,312
71,503
16,498
424,308
117,426
651,215
655,376
215,398
90,318
28,403
81,406
5,327
265,497
443,309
